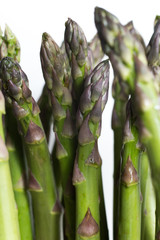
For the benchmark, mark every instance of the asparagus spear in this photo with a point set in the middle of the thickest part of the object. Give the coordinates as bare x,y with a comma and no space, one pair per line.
78,54
124,57
147,99
58,84
118,118
9,227
115,40
82,56
119,93
130,205
14,146
18,174
46,207
148,205
87,160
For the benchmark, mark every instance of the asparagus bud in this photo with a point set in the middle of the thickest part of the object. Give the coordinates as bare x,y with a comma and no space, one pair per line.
78,54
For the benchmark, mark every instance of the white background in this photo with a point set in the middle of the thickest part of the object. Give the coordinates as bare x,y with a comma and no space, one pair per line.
29,19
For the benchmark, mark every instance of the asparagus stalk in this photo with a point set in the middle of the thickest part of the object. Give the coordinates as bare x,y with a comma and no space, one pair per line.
118,119
147,99
46,207
148,205
58,84
15,150
79,57
9,227
87,162
18,174
82,56
124,58
119,93
122,61
130,205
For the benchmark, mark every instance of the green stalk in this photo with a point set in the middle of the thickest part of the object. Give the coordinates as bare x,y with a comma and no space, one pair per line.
130,204
46,207
58,83
88,162
9,227
18,174
149,203
15,149
19,187
118,120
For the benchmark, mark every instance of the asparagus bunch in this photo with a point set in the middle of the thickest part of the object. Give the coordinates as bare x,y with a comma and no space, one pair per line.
74,97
